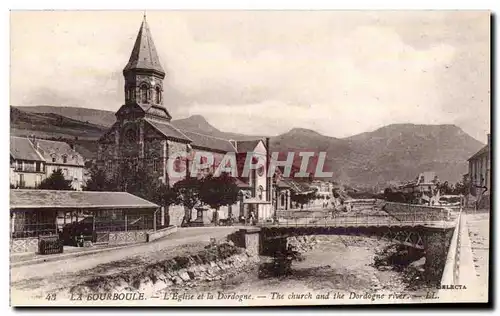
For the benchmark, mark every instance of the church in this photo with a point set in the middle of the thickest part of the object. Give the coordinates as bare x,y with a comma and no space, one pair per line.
143,133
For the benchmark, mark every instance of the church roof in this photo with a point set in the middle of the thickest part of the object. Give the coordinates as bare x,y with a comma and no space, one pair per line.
144,55
210,142
168,130
244,146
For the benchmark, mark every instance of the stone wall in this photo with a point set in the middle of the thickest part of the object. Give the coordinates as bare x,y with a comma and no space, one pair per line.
160,233
413,212
134,236
437,244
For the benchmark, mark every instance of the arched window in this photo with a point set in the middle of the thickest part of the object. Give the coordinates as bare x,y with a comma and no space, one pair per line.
158,95
144,93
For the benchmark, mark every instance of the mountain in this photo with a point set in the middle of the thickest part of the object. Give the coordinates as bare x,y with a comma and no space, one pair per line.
91,116
397,152
194,123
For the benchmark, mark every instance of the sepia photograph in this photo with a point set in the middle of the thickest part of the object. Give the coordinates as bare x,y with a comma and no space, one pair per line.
249,158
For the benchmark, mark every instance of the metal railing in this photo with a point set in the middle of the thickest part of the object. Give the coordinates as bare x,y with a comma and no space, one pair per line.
373,217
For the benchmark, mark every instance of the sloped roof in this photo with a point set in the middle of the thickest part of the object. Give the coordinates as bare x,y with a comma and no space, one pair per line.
210,142
298,187
144,55
168,130
244,146
47,147
22,199
21,148
481,152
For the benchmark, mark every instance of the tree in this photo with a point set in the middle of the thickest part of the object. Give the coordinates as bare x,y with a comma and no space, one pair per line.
56,181
98,181
165,196
187,194
302,198
219,191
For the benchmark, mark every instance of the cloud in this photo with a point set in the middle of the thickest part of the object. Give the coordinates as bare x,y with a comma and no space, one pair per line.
339,73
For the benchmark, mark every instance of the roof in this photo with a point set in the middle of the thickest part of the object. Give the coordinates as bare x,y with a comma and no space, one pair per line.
210,142
49,147
282,184
297,187
247,145
168,130
242,184
144,55
482,151
33,199
21,148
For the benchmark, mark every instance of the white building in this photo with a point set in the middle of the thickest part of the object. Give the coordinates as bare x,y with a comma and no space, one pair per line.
32,160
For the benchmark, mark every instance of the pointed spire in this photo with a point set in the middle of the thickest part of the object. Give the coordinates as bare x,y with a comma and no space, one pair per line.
144,55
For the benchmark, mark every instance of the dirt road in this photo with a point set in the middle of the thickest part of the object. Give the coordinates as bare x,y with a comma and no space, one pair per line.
42,278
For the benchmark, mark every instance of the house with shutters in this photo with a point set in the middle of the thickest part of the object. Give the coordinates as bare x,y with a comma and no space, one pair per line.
143,132
32,160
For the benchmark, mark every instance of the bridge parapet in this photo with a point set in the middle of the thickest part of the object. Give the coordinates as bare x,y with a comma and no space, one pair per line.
459,282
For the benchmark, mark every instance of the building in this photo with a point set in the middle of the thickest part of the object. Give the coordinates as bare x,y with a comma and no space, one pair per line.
143,133
480,173
105,217
32,160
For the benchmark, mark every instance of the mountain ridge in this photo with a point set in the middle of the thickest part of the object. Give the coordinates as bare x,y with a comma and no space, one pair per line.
396,152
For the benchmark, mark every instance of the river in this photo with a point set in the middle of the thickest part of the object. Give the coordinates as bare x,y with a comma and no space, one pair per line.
333,264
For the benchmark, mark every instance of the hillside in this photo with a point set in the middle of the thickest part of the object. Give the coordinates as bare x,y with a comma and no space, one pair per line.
90,116
395,152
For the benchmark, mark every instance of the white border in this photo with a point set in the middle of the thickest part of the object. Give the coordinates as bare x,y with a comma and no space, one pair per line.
198,5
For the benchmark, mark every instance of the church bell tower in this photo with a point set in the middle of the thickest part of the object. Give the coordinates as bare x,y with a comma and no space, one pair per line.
144,76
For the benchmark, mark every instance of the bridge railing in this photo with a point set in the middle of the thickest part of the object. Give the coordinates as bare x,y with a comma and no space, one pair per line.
333,218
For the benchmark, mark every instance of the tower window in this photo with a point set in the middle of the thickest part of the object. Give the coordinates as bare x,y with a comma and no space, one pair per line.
155,165
65,159
158,95
144,93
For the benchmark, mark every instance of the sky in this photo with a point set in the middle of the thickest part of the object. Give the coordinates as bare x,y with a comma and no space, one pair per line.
339,73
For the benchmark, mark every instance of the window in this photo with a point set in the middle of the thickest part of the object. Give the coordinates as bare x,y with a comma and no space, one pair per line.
131,135
38,166
65,159
158,95
53,159
144,93
155,165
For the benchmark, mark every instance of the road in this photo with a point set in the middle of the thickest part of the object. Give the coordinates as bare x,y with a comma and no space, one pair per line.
42,278
479,231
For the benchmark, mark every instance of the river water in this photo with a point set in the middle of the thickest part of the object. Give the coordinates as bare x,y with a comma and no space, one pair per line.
333,266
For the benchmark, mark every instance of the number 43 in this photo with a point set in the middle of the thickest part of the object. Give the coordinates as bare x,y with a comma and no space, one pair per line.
51,297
